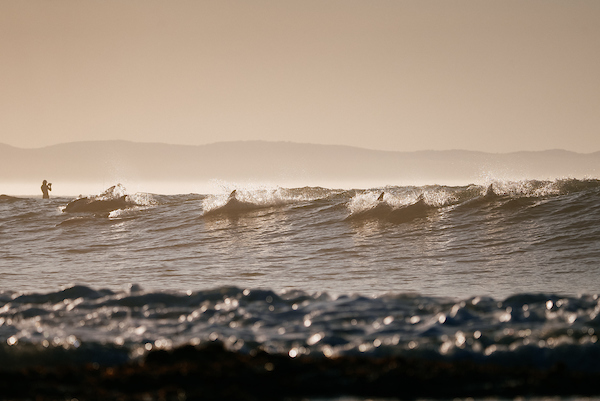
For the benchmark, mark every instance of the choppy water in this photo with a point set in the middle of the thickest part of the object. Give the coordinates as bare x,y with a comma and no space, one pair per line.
506,273
527,237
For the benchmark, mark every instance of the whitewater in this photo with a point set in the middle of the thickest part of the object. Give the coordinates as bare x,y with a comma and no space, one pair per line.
504,273
527,237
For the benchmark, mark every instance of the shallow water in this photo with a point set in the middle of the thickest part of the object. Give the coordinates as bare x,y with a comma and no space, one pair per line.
504,274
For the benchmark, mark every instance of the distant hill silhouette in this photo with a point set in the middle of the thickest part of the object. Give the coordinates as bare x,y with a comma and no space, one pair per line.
282,163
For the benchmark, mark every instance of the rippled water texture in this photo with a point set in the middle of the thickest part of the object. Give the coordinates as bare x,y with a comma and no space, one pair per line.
533,329
522,237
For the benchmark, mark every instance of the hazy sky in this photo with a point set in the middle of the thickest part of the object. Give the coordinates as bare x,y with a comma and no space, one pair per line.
495,76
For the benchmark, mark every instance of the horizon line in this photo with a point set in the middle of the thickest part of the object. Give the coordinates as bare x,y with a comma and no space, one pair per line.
294,143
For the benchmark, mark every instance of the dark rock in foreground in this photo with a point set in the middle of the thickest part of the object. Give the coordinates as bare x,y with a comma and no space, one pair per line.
211,372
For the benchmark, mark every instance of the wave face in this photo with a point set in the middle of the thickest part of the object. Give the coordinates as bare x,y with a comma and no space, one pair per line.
514,237
504,273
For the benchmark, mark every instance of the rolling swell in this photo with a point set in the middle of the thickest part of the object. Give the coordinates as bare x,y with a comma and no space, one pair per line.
430,291
439,240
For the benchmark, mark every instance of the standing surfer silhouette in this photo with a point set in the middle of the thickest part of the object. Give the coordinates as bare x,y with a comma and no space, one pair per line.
46,186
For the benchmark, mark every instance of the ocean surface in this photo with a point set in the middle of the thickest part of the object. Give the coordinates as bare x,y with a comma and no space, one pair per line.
507,273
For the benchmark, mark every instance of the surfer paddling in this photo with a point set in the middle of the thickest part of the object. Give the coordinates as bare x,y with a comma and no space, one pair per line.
46,186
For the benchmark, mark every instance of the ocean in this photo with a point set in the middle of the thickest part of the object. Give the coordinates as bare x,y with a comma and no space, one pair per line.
388,292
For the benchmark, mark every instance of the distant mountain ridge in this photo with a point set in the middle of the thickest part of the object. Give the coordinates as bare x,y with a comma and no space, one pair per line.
282,163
